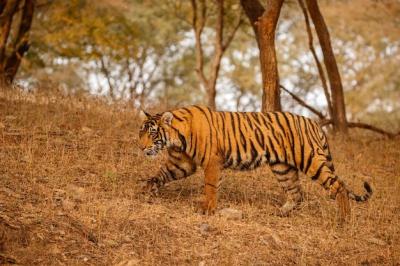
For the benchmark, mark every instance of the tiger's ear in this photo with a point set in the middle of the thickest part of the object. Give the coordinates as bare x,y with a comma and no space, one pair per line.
166,118
143,115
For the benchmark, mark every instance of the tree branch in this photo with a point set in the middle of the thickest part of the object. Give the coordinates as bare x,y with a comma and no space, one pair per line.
230,37
364,126
319,66
21,43
303,103
198,26
6,21
253,10
108,77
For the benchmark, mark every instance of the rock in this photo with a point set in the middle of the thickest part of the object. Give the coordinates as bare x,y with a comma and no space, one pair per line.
58,196
204,228
110,243
86,130
271,240
129,262
2,125
377,241
76,193
68,205
231,214
202,263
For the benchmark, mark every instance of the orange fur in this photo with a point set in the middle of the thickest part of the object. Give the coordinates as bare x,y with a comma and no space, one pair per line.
195,136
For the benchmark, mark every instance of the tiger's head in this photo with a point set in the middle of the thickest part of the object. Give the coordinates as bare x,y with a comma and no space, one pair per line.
157,133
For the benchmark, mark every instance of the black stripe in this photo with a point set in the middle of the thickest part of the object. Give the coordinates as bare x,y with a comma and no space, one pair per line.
179,168
183,141
309,161
297,124
210,130
259,137
316,176
331,180
204,154
292,137
249,122
211,185
187,110
177,117
273,151
283,172
242,137
194,148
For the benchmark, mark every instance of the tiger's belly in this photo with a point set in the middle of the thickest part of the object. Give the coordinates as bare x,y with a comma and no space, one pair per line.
247,161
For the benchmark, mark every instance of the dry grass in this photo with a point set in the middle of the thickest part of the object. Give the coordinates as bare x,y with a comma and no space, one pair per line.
69,194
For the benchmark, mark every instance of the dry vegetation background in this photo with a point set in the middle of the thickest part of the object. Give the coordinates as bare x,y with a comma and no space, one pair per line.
69,195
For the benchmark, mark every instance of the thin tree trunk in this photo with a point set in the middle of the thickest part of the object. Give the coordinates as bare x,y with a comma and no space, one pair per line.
253,10
339,111
220,45
264,22
10,63
266,31
317,62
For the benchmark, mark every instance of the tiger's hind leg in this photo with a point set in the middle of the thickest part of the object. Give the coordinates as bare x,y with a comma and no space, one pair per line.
322,171
288,178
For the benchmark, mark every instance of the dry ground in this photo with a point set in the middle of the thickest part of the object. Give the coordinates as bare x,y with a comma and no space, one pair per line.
69,195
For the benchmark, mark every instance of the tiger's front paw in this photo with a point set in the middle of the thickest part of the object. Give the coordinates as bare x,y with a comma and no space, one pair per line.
151,186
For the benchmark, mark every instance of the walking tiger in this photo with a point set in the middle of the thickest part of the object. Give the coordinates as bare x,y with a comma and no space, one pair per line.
196,136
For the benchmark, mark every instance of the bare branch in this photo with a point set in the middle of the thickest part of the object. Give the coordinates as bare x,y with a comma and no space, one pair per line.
303,103
6,21
106,73
230,37
319,66
364,126
198,26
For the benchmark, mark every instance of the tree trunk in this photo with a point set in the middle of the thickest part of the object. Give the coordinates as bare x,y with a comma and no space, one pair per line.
9,63
266,31
253,10
339,111
320,68
264,22
221,43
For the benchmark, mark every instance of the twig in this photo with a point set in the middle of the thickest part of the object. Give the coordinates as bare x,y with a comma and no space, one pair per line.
319,66
303,103
86,232
364,126
4,259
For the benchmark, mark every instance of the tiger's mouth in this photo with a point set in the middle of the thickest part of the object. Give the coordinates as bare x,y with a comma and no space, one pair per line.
151,152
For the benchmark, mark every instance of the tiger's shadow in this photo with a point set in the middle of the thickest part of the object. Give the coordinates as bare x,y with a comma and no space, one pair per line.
228,194
249,193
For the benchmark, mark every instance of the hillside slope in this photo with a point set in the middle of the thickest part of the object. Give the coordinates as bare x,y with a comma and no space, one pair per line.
69,194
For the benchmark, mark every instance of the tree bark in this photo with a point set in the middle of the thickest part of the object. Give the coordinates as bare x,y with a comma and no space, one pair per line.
317,62
338,105
253,10
9,63
264,22
269,67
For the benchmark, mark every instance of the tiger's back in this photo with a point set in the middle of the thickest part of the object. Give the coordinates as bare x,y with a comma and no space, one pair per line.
245,140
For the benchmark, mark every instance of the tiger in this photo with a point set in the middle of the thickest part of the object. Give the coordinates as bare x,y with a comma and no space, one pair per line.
215,140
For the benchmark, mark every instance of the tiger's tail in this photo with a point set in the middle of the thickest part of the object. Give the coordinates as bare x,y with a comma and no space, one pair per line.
364,197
